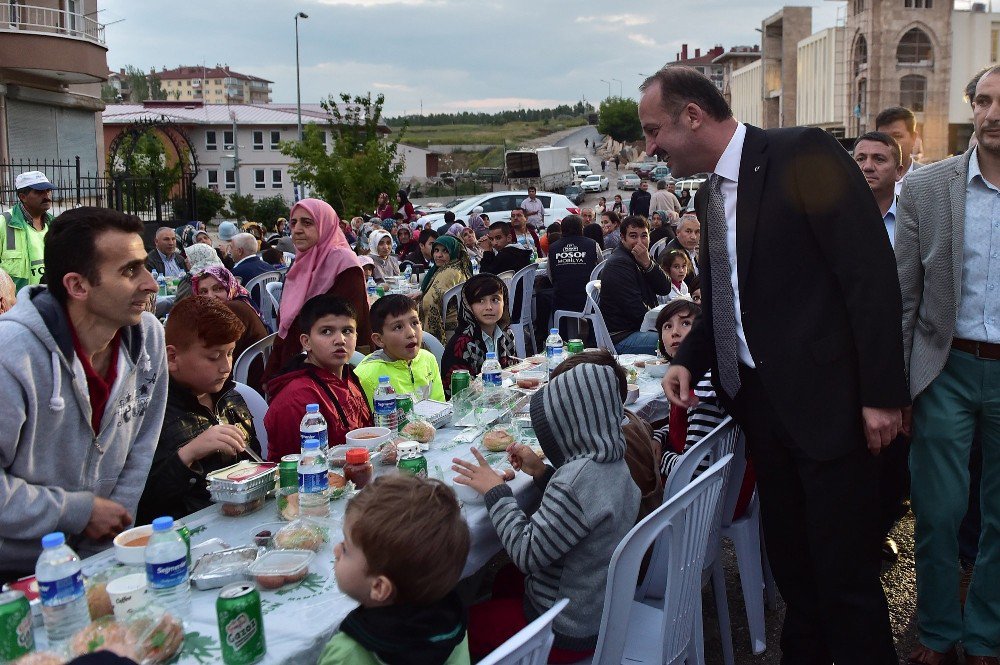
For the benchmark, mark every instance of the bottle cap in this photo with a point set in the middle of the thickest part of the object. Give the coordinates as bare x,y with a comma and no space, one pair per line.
491,355
309,444
312,408
357,455
407,449
165,523
54,539
383,379
554,331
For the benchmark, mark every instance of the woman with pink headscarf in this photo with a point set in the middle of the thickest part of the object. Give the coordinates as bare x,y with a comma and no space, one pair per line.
324,263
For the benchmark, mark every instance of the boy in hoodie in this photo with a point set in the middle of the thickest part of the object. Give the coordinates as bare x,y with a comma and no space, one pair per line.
323,376
404,581
83,382
589,503
396,330
207,425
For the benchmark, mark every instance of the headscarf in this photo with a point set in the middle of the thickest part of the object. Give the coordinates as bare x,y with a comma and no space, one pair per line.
234,289
202,256
186,235
456,229
316,269
458,257
473,353
375,238
410,245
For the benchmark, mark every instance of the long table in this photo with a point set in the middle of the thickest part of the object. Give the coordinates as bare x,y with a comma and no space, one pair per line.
299,621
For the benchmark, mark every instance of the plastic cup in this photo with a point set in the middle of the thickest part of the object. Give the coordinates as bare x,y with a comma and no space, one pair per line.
128,595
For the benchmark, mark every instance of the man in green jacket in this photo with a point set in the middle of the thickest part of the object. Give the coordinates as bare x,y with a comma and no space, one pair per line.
23,229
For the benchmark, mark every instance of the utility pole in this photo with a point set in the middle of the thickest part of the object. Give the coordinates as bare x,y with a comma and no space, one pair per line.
298,77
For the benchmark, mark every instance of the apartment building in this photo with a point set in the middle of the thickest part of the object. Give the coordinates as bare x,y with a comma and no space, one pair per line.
213,85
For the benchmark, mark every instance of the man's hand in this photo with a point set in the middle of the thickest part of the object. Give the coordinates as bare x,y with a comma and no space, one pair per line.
485,244
641,254
677,386
107,520
523,458
881,427
225,439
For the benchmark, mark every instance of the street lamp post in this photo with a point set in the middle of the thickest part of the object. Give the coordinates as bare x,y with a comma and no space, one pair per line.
621,91
298,79
609,86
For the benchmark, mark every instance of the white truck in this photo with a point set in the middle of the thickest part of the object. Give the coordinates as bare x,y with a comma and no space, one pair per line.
542,168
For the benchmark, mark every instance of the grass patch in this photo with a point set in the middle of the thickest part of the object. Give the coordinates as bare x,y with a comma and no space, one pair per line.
511,133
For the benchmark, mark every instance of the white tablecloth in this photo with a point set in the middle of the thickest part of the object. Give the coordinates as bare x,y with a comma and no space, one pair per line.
649,321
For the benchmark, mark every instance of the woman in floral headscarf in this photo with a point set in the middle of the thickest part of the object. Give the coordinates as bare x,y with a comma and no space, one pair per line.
451,268
405,241
383,208
324,263
199,257
216,281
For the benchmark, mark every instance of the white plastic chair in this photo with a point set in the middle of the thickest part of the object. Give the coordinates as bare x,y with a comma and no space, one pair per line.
596,272
288,257
272,303
601,334
606,252
258,407
357,358
454,294
434,345
657,248
718,443
632,632
531,645
256,285
521,324
261,348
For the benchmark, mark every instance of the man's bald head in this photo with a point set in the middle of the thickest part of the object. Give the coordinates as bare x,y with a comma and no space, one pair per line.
166,240
243,245
8,293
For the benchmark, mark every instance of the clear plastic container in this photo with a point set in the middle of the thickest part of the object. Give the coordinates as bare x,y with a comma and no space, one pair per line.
280,568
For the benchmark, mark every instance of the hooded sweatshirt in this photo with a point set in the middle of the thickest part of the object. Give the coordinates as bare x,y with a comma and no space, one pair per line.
52,464
589,502
405,377
341,402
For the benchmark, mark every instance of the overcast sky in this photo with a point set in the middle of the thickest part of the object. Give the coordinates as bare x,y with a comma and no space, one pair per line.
449,55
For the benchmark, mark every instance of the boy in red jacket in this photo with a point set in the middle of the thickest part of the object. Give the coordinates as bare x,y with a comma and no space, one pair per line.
318,377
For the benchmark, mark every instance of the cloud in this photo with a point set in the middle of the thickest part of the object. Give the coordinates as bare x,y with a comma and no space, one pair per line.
642,40
378,3
496,103
394,86
628,20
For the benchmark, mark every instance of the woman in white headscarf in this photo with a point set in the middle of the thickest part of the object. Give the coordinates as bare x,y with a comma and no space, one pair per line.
476,222
380,250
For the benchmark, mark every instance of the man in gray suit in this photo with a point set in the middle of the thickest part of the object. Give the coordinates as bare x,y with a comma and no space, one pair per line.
948,257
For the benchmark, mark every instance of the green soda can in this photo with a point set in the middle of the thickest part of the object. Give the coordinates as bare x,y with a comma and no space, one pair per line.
241,624
404,404
460,380
17,637
288,484
575,346
185,533
411,460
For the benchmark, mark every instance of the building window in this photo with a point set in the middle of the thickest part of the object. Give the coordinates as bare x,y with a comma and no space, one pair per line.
230,179
995,42
912,92
860,55
258,179
322,137
915,48
227,140
258,140
275,139
210,141
276,178
213,178
918,4
859,6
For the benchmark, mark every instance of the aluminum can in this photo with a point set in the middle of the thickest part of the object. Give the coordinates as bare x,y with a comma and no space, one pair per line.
410,459
404,404
575,346
460,380
288,472
17,636
241,624
185,533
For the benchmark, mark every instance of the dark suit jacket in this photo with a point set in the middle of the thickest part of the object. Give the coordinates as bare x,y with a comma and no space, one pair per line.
250,268
639,203
819,296
154,262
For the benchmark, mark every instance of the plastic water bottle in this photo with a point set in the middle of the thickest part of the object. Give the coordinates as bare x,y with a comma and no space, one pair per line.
314,483
167,568
408,273
60,585
161,283
313,426
492,378
475,265
554,353
384,401
372,290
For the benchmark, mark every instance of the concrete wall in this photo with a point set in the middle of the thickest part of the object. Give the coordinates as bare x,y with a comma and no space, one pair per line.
972,49
746,84
820,79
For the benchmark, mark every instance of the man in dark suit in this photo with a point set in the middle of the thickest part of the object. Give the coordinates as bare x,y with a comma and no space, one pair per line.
801,329
247,264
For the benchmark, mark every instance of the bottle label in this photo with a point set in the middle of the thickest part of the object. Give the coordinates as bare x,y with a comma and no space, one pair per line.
322,436
167,574
310,483
385,406
492,379
61,591
553,350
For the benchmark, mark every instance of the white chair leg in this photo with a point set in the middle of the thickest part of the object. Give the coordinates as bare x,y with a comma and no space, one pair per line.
745,535
770,586
722,610
698,638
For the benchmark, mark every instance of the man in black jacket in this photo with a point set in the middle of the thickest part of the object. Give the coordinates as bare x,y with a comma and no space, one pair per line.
572,259
421,256
631,281
506,254
639,203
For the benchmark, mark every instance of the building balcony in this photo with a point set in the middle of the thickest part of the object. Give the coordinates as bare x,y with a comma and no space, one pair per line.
52,43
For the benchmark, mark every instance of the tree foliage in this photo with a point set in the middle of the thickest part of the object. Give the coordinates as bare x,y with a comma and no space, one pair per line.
499,118
619,119
359,164
267,211
242,206
208,205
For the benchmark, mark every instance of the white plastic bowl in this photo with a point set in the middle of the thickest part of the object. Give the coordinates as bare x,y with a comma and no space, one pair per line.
657,370
633,394
368,437
132,556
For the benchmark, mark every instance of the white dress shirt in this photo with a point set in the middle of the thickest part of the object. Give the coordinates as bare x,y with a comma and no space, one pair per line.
899,183
728,169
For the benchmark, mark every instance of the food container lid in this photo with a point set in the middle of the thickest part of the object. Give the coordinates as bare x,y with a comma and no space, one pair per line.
281,562
357,456
408,449
241,473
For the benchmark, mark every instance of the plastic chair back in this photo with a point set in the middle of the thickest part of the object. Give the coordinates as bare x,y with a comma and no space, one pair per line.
454,294
531,644
717,444
288,257
596,272
272,303
357,358
256,285
434,345
258,407
521,321
682,525
601,334
657,249
258,349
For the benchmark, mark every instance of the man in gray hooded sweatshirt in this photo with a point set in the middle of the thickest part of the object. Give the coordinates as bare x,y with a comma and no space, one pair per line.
83,386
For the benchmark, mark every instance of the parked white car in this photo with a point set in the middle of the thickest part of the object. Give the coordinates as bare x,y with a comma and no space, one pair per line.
579,160
596,183
499,204
581,171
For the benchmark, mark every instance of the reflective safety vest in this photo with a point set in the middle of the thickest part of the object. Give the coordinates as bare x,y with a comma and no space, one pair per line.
16,254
